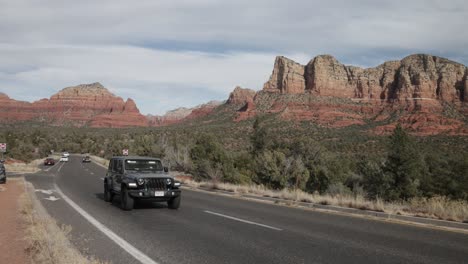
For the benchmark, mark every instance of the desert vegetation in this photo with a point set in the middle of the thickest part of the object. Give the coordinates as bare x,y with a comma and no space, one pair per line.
420,172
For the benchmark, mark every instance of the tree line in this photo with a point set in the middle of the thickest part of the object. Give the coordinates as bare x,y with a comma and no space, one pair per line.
402,170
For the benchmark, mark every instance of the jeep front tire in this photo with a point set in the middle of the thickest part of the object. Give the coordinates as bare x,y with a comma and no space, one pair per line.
126,200
174,203
108,195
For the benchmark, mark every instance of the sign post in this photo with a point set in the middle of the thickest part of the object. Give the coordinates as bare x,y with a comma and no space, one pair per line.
125,152
3,148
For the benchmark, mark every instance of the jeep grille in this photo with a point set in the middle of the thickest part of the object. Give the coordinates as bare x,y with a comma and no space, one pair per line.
156,183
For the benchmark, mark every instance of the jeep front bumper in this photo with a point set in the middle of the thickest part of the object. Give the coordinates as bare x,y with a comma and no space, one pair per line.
161,195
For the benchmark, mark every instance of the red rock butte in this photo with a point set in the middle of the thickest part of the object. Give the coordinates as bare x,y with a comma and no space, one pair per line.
421,88
82,105
426,94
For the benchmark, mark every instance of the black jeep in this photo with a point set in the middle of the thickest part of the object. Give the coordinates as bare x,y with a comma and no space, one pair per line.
144,178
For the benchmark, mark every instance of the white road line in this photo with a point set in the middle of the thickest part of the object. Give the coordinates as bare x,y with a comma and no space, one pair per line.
243,221
48,169
60,167
102,179
137,254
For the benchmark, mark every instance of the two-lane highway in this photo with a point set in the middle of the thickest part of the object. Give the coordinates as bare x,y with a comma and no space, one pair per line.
209,228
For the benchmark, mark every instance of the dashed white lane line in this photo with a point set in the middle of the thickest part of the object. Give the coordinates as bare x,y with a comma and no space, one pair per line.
60,167
48,169
102,179
243,221
137,254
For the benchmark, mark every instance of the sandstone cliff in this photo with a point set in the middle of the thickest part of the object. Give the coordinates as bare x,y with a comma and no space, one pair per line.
425,93
241,96
287,77
183,114
416,77
85,104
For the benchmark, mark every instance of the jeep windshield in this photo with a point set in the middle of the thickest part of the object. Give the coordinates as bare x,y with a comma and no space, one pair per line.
143,165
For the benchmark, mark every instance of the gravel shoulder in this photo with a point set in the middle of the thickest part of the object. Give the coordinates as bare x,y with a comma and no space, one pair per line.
13,224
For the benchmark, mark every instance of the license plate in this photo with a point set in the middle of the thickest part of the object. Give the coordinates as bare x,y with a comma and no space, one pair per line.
158,194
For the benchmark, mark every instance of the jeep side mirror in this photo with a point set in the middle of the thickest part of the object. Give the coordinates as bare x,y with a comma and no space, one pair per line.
166,169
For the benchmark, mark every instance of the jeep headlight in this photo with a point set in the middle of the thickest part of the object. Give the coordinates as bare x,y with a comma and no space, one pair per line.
168,181
141,181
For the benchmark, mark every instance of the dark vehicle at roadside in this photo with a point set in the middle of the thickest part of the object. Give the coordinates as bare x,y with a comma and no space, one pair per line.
86,159
49,162
140,178
3,178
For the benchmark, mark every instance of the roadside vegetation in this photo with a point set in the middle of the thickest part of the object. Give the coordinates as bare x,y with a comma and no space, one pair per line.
347,167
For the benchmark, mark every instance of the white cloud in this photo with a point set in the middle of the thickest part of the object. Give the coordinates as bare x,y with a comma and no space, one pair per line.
143,74
190,51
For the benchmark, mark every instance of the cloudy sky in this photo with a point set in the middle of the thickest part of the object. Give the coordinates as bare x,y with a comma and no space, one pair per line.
170,53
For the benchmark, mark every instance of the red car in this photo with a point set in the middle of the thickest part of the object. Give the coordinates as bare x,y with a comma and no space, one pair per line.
49,161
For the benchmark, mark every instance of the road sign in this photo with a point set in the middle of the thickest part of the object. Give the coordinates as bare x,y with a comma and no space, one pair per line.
3,147
125,152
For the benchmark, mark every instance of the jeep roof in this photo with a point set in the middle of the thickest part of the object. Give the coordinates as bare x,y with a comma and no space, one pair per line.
135,157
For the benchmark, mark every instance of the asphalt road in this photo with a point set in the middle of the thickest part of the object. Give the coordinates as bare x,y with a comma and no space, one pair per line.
209,228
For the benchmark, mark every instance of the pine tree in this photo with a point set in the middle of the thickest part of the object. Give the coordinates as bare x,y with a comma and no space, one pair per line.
403,166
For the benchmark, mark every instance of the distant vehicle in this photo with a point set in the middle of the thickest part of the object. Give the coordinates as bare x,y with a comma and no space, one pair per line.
86,159
66,154
64,159
49,162
140,178
2,173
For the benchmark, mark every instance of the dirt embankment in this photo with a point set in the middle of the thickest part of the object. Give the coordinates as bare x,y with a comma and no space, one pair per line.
13,224
28,234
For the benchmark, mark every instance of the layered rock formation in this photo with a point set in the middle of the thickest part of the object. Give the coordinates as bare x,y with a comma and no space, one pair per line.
415,77
171,117
241,96
183,114
287,77
419,87
426,94
86,104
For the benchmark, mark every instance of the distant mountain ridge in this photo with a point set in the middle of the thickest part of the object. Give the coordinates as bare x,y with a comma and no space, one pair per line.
81,105
417,91
426,94
182,114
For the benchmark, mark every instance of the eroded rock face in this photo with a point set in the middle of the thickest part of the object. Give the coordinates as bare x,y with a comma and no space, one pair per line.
287,77
85,104
416,77
182,114
465,89
428,94
127,116
241,96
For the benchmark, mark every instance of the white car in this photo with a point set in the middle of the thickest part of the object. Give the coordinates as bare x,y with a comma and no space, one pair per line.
66,154
64,159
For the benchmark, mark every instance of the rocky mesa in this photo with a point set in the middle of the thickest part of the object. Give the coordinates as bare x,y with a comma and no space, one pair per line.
426,94
419,90
415,77
82,105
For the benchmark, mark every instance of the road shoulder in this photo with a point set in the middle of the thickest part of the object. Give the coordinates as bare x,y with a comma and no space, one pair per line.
372,215
12,228
45,241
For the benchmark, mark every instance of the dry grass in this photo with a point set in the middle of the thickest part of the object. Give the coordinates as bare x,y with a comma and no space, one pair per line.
437,207
21,167
46,242
104,162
